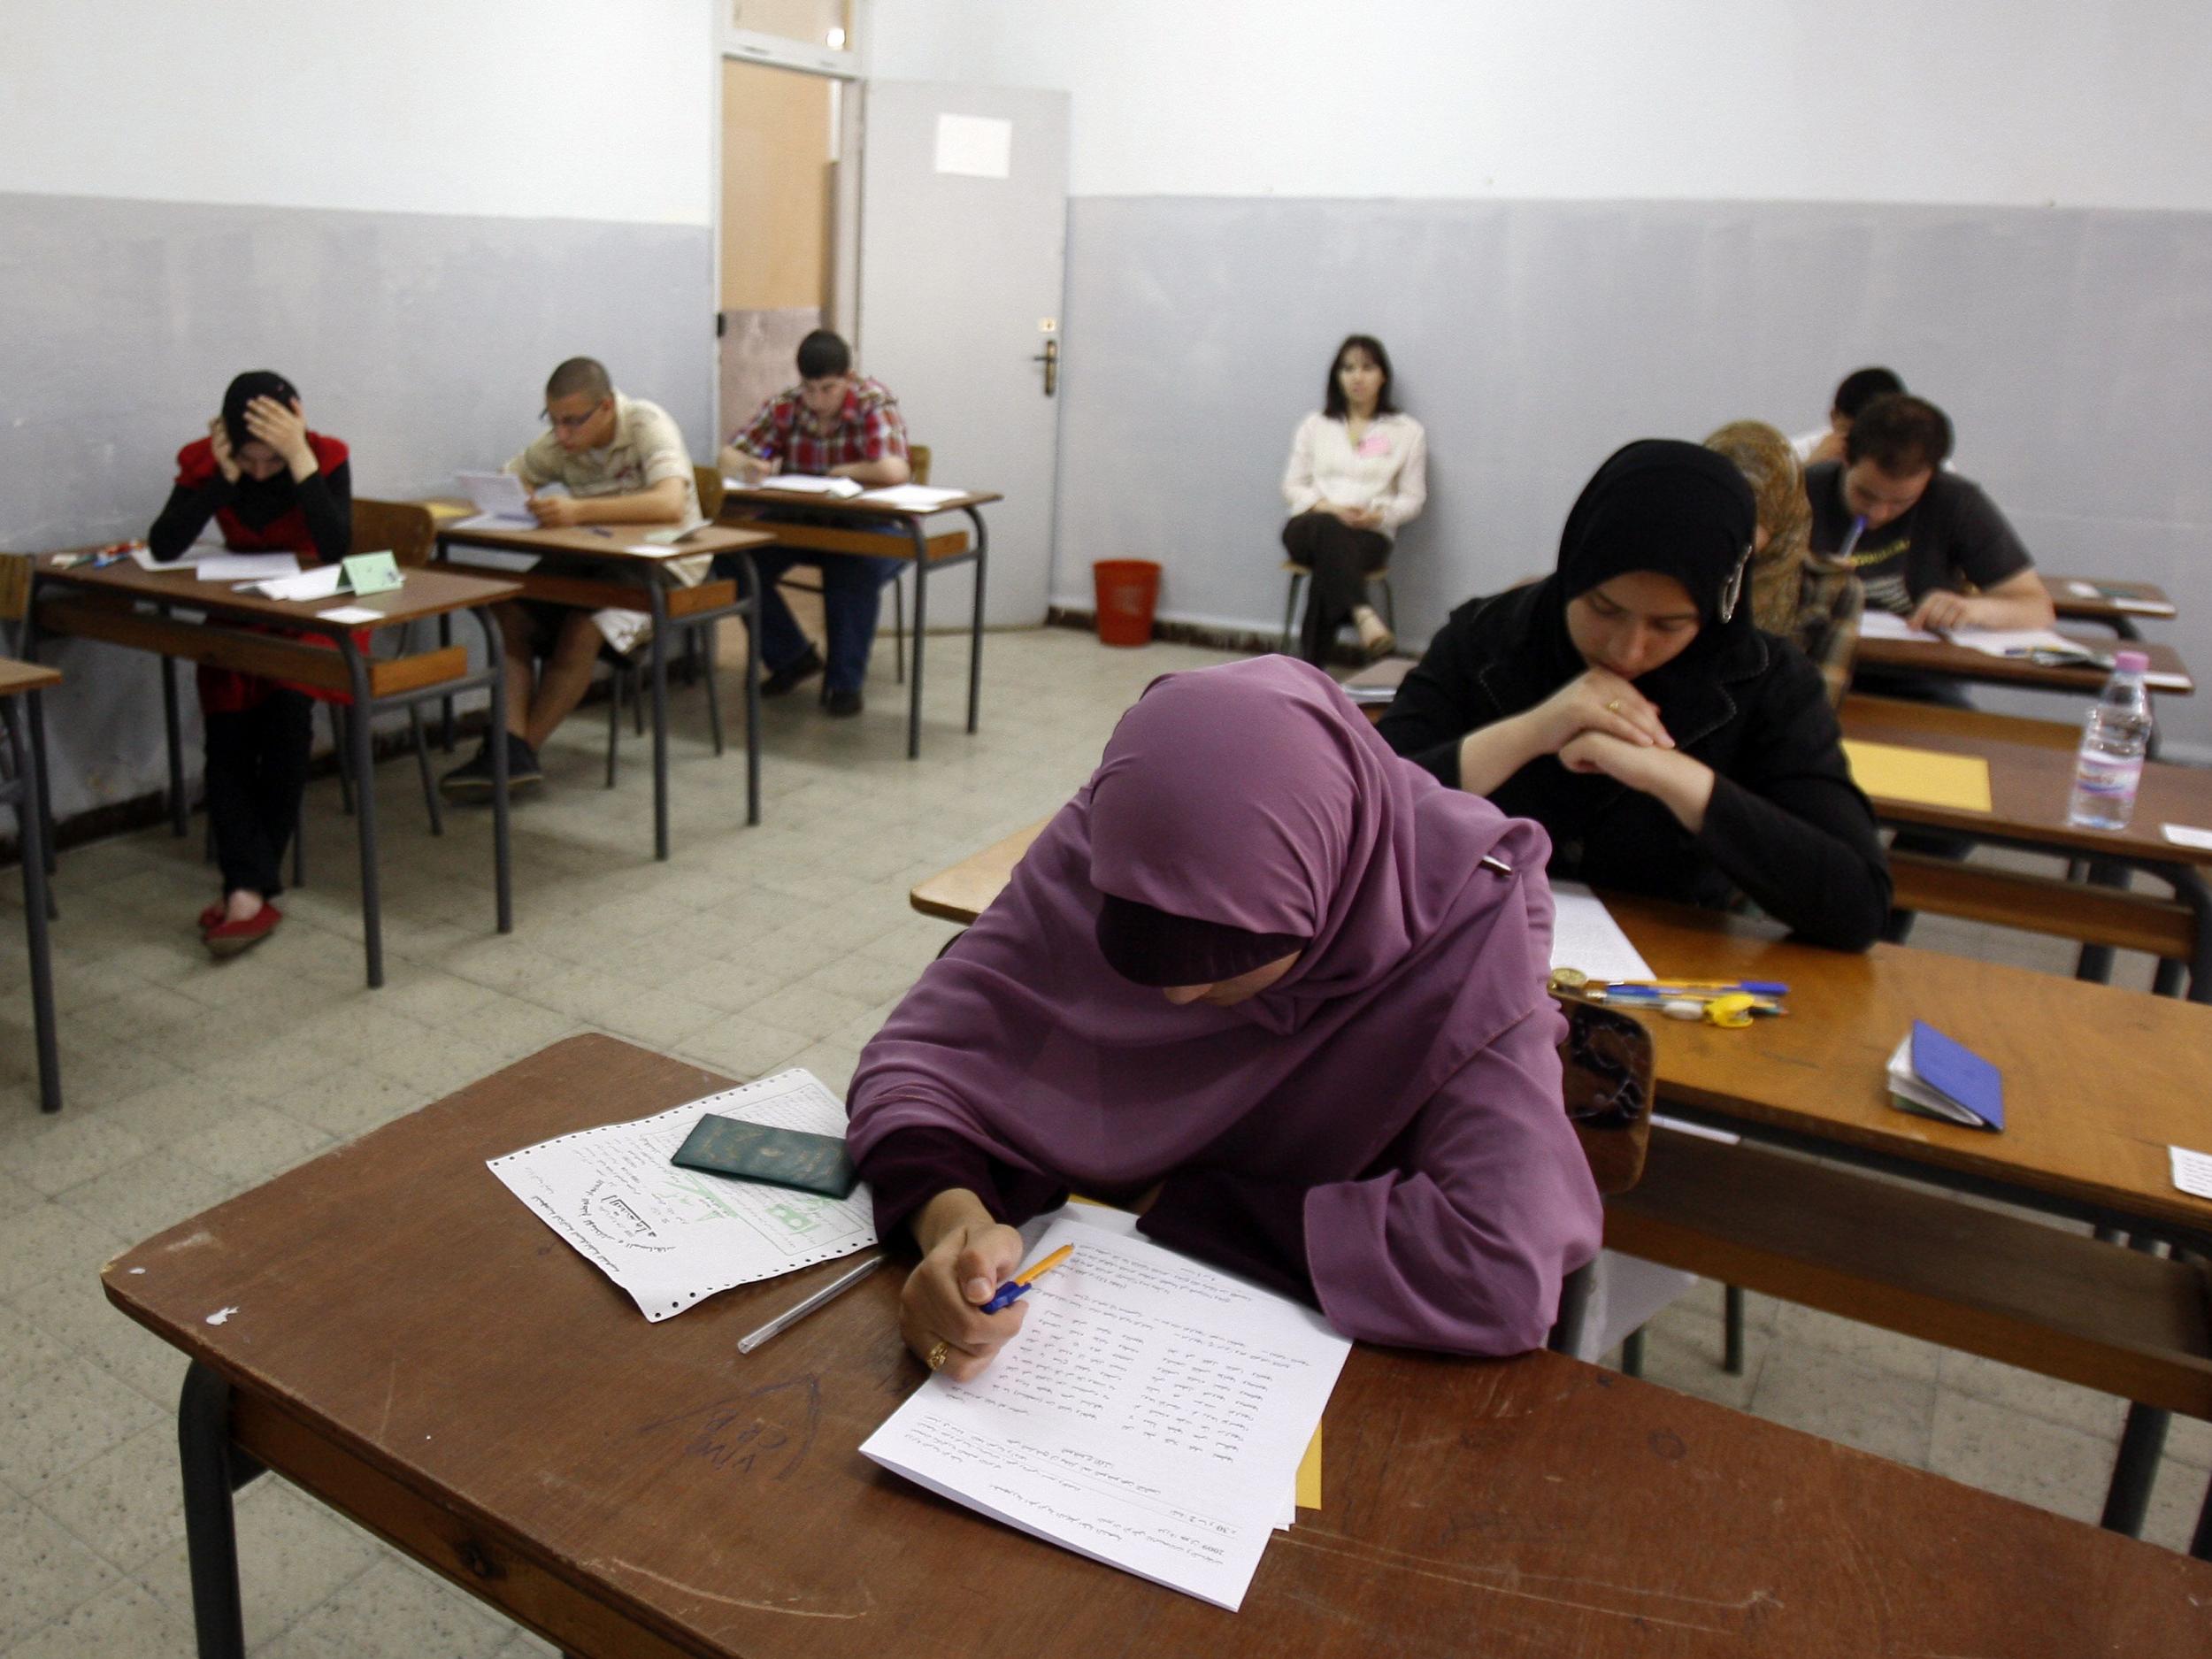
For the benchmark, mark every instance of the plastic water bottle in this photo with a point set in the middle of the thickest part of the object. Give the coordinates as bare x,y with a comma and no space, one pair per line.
2114,740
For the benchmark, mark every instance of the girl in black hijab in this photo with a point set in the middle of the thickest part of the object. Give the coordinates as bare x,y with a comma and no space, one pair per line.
1627,704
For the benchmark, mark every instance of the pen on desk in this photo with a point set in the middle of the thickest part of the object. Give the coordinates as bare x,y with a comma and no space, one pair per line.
599,529
1014,1288
799,1310
1646,987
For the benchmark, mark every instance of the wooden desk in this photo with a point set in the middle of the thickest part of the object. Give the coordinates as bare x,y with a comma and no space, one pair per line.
2171,676
154,610
901,536
2114,604
408,1344
2031,781
597,573
25,791
2098,1082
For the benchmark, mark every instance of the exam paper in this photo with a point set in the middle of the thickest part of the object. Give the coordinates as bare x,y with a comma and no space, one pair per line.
1151,1415
494,558
2193,1172
144,556
500,500
670,1237
247,567
913,497
2184,836
353,616
1584,936
1887,625
323,582
2021,641
807,484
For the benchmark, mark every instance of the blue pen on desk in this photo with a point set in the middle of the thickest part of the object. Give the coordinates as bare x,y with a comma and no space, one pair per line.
1015,1287
1696,988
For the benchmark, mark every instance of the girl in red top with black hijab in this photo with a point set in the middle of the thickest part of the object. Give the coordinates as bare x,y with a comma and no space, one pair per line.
272,487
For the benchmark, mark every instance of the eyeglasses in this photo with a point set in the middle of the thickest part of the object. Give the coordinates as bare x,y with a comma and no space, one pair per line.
572,423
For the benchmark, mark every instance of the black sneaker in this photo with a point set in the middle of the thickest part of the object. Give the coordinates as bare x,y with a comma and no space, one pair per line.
474,776
841,704
792,675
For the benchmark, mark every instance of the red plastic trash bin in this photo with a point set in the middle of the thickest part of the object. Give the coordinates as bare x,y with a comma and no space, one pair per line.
1127,591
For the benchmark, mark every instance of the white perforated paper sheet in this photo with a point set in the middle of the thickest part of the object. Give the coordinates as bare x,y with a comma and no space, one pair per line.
670,1237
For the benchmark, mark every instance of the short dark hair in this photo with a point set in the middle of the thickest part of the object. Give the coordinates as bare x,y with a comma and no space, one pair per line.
587,375
1901,434
1861,387
822,354
1332,403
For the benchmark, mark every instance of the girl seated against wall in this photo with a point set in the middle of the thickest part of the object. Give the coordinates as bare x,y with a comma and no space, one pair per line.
271,486
1358,472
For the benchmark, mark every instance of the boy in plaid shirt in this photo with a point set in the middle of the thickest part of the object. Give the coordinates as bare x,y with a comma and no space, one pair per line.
833,424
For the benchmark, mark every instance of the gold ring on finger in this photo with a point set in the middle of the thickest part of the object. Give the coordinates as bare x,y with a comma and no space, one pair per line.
936,1361
1613,707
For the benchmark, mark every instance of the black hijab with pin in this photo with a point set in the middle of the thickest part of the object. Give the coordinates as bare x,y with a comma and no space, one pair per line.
257,501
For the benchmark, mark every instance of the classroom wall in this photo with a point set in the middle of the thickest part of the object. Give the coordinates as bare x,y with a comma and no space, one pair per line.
1580,225
415,212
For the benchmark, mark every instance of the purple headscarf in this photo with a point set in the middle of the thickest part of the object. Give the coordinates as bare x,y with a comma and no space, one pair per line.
1257,797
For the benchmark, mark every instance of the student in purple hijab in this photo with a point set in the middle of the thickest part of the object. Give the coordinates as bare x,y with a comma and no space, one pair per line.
1279,990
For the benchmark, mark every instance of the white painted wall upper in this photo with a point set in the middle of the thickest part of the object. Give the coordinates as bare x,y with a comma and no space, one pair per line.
527,109
2018,102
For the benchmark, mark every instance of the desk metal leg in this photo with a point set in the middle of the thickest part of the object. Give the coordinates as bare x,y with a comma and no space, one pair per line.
364,762
30,820
445,637
751,575
975,624
35,702
921,628
2141,1444
503,849
213,1470
173,725
660,717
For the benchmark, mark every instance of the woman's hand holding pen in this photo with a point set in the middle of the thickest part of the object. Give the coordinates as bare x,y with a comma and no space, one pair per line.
965,1257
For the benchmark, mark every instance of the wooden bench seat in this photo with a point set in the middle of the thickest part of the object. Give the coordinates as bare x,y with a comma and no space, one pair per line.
2114,917
2026,1293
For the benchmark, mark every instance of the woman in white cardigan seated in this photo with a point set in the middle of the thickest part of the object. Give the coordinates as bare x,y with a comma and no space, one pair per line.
1358,469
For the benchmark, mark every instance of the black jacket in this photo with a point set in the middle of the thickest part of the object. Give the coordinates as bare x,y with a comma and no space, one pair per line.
1787,826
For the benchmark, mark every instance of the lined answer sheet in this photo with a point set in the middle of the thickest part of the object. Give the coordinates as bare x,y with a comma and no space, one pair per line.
1586,936
1151,1415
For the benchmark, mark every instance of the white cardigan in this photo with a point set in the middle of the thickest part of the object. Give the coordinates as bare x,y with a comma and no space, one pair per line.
1389,471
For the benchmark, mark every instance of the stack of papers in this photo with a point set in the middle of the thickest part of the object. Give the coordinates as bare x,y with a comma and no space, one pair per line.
1152,1414
670,1237
913,497
802,484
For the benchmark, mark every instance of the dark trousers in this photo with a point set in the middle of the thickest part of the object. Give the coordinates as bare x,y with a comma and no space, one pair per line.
1339,557
852,598
256,770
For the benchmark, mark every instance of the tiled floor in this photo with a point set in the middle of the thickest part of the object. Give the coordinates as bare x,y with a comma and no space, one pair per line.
749,950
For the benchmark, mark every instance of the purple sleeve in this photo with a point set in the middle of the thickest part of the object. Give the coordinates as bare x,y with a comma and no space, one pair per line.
909,1167
1462,1247
1252,1227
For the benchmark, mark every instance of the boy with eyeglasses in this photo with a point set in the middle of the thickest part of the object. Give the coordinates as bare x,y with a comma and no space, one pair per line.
615,460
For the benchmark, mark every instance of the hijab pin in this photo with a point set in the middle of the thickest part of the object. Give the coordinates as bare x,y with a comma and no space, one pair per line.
1497,864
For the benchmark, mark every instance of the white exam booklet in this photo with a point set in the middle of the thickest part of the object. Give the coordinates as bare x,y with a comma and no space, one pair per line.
1151,1415
805,484
323,582
501,499
913,497
247,567
1584,936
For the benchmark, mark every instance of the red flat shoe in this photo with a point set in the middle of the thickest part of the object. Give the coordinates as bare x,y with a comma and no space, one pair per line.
211,918
230,938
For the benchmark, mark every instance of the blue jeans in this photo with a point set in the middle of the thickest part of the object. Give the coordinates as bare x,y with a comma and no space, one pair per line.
852,595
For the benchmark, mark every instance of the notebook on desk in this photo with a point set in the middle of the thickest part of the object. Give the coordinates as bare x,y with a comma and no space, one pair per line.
1938,1077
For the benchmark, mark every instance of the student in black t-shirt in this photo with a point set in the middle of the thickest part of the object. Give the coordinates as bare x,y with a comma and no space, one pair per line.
1929,532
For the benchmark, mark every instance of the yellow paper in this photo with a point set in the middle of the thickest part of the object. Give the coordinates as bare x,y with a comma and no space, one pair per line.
1923,776
1309,1473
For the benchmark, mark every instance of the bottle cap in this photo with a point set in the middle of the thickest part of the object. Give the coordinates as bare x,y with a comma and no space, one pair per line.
2131,662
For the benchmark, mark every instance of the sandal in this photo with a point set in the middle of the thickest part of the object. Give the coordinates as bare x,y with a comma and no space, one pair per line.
229,938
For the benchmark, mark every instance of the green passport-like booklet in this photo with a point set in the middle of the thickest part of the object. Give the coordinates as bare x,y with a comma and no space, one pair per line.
781,1157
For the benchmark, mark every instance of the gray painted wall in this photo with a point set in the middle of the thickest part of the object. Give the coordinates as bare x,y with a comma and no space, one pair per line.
1532,338
422,340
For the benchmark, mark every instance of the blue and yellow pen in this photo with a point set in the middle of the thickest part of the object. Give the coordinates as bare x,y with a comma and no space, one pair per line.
1014,1288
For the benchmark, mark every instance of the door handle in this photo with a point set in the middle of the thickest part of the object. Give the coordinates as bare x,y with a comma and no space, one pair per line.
1050,357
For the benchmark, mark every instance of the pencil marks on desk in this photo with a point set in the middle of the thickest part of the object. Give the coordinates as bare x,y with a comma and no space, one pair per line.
766,1432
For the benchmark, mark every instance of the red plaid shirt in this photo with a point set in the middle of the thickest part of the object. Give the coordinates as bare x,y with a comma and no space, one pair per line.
867,428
